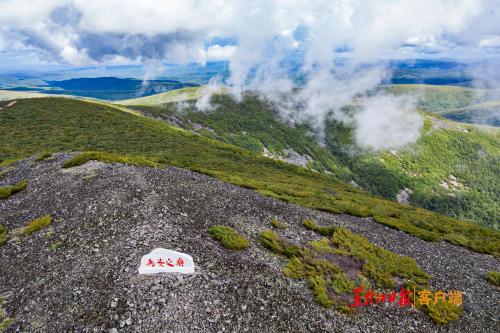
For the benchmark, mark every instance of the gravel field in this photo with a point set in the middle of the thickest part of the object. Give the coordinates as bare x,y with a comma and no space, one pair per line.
107,216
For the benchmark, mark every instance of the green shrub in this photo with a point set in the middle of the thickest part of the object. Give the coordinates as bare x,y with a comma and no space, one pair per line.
108,158
494,277
318,285
36,224
379,264
315,263
55,245
443,312
341,284
325,231
4,323
43,155
228,237
273,242
3,234
7,191
278,224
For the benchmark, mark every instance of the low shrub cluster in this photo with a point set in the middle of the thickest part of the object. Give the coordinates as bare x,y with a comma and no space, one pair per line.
278,224
228,237
3,234
36,224
43,155
494,278
318,263
7,191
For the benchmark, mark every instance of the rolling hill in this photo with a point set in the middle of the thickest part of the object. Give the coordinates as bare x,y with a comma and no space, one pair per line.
469,105
453,168
62,124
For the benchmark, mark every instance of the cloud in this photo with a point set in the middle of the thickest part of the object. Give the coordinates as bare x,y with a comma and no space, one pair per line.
177,47
386,122
367,29
490,42
217,52
337,45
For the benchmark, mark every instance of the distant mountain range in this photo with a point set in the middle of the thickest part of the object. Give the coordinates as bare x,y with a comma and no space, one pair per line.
125,82
108,88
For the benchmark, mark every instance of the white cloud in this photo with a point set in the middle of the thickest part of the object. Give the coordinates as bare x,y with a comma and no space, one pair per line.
73,56
217,52
386,122
369,28
490,41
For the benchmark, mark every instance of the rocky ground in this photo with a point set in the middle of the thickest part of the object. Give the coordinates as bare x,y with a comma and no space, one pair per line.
107,216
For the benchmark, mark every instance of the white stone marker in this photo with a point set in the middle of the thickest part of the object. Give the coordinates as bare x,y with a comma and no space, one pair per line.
166,261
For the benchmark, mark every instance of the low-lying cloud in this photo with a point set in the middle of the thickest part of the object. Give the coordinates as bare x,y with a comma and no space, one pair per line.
336,47
387,122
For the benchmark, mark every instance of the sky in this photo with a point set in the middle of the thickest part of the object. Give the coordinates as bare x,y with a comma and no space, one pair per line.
51,33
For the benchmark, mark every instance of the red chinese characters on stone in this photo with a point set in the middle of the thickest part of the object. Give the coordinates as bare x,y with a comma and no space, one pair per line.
150,262
165,262
180,262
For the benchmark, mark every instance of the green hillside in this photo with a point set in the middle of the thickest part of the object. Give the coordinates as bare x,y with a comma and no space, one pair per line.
62,124
167,97
453,168
479,106
6,95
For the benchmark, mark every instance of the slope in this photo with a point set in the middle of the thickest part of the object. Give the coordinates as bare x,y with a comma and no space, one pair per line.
469,105
452,169
105,217
62,124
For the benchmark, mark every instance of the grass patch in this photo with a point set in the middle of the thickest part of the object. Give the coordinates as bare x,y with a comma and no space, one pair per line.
443,312
315,262
36,224
325,231
43,155
108,158
278,224
9,190
110,135
3,234
2,174
379,264
494,278
54,246
228,237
